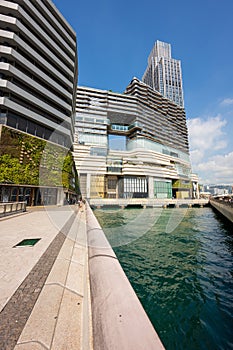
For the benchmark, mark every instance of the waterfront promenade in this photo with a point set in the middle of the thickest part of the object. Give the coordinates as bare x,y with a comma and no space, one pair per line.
225,207
148,202
45,297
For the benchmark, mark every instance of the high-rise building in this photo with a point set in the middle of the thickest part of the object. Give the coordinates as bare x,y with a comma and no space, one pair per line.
38,80
163,73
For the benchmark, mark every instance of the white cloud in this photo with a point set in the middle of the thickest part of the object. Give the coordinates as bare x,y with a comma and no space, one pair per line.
206,134
207,137
196,155
227,102
218,169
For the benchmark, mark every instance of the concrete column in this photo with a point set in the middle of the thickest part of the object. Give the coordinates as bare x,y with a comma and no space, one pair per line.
88,186
151,187
60,196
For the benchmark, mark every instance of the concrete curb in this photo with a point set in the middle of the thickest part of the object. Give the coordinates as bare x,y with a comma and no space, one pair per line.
118,318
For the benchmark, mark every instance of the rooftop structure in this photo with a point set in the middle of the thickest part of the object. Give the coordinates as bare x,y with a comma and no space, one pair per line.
163,73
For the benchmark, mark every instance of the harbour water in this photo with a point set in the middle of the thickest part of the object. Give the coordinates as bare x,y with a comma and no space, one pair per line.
179,262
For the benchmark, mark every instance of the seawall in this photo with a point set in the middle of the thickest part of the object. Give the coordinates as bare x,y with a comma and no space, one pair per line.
147,202
118,318
226,209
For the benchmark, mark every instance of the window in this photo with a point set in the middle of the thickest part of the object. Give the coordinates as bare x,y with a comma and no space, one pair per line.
162,189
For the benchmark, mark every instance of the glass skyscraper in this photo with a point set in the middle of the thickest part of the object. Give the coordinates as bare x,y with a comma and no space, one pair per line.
163,73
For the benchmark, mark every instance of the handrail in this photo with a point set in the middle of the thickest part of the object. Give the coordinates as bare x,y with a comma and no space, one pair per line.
119,320
225,202
7,208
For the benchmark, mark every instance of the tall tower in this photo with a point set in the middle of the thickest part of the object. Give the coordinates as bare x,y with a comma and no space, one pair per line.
163,73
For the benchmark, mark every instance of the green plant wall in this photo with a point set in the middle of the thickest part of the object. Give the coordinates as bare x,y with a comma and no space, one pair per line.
28,160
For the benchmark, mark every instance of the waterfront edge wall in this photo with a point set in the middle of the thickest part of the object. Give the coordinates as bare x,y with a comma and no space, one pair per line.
223,208
118,318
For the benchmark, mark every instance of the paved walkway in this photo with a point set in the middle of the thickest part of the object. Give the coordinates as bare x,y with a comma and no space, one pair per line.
44,289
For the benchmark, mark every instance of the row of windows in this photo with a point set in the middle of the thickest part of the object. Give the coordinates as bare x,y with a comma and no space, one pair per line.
45,14
92,120
47,31
46,4
43,42
42,97
30,127
93,139
136,184
39,79
45,56
91,131
24,103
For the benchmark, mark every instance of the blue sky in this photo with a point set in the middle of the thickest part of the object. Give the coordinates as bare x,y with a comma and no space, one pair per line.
116,37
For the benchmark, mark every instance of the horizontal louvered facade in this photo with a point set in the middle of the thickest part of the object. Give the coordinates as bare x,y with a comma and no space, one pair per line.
38,70
156,154
163,120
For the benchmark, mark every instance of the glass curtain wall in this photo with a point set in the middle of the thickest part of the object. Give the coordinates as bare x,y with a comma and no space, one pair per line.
163,189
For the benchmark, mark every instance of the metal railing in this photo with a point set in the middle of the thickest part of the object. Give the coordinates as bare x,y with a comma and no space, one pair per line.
224,201
11,208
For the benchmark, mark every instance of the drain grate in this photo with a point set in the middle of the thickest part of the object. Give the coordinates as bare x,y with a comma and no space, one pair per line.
29,242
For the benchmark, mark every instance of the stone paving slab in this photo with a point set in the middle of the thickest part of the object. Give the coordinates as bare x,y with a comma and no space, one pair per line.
33,263
16,263
61,316
68,331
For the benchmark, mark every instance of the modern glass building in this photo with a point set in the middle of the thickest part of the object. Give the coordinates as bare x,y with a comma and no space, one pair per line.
154,160
38,80
163,73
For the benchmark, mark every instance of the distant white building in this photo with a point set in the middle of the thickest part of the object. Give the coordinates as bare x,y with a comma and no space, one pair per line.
222,189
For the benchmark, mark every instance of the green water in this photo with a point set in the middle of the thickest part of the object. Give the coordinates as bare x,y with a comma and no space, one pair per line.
179,262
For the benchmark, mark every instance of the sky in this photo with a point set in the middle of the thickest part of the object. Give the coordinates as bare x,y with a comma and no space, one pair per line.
115,38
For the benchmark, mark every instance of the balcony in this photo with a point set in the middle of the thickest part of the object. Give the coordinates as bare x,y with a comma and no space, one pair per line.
119,129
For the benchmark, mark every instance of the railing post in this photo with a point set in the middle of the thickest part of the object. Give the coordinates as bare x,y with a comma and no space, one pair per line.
12,207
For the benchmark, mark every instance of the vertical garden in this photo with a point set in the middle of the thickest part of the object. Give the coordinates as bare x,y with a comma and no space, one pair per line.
28,160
